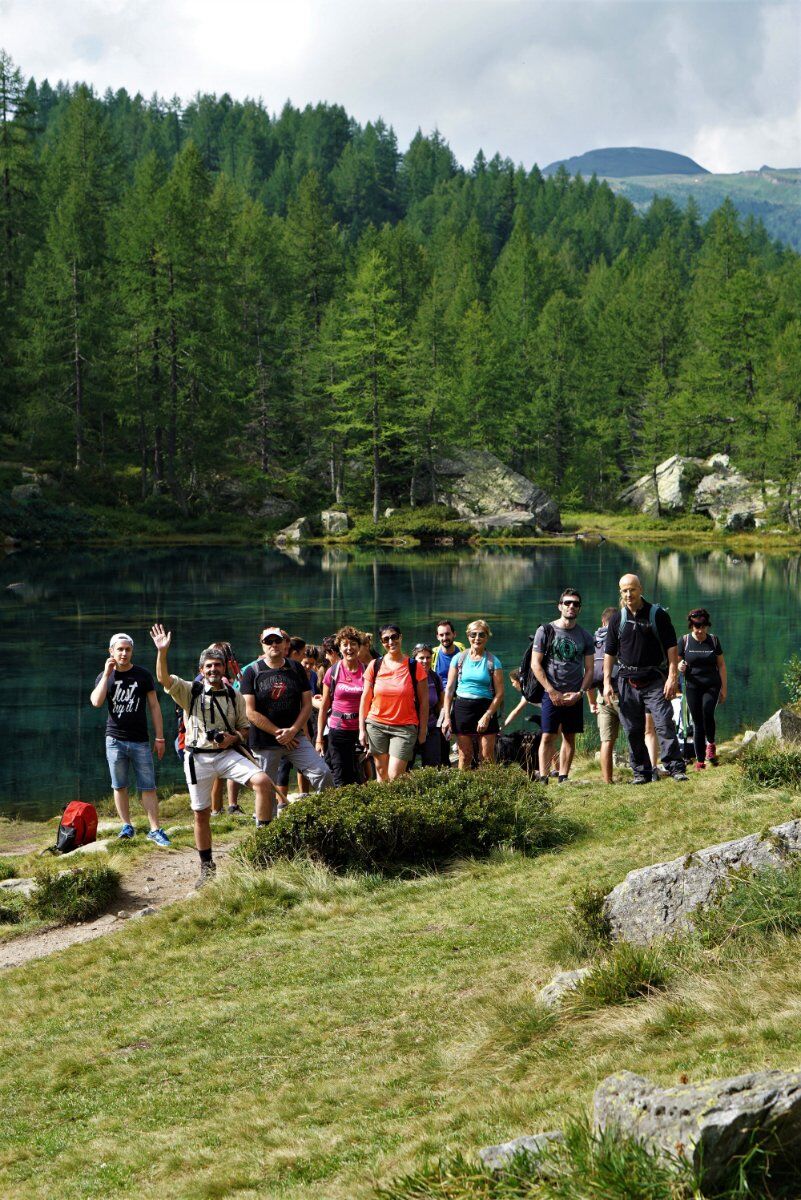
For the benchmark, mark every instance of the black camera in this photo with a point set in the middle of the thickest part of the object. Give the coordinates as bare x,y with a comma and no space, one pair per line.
215,735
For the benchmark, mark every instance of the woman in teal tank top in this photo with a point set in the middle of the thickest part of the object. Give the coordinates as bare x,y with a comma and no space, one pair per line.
474,697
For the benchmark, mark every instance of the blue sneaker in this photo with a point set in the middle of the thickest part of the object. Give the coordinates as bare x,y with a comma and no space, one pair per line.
127,831
159,837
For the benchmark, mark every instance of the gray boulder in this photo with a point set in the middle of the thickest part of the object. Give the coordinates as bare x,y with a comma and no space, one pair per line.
506,520
784,726
659,901
295,532
333,522
26,491
711,1125
668,489
726,492
19,887
562,985
497,1158
477,484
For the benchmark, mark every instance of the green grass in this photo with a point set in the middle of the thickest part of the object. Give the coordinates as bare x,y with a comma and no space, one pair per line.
298,1033
77,892
769,764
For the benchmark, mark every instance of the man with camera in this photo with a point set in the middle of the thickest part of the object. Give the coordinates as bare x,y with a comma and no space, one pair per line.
216,737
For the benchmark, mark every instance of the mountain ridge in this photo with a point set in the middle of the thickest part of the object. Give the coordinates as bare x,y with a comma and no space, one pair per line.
619,162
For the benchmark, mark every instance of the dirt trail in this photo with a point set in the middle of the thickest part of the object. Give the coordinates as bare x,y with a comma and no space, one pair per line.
162,878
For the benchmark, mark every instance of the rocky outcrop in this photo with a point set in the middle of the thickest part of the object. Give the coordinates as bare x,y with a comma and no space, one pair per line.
784,726
668,489
727,497
477,484
713,1125
562,985
333,522
712,487
497,1158
659,900
295,532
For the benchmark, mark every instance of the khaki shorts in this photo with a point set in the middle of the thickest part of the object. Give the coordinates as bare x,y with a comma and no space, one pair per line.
225,764
398,741
608,719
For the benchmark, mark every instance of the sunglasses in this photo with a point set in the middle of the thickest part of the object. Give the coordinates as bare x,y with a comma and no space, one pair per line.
271,641
477,635
571,604
391,637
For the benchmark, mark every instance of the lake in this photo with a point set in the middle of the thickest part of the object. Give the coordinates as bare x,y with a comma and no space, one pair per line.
60,607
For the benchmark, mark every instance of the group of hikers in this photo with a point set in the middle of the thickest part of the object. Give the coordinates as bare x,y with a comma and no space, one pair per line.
341,713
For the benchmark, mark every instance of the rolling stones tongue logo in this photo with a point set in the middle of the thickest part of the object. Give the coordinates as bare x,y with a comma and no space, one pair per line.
277,691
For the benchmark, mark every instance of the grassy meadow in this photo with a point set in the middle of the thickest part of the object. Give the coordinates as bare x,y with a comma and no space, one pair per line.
294,1033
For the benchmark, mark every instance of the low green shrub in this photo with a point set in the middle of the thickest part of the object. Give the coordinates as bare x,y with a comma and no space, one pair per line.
754,905
626,973
7,869
11,911
421,523
770,764
422,819
792,679
589,912
77,894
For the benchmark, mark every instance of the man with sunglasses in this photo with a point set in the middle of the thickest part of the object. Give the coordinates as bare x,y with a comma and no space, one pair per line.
562,659
278,702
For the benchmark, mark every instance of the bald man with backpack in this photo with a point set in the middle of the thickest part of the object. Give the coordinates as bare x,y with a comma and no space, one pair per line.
641,640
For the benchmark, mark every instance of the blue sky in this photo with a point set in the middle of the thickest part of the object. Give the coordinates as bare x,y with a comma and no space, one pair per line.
537,80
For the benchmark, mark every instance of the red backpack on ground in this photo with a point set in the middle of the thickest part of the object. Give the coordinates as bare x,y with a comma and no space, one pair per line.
78,827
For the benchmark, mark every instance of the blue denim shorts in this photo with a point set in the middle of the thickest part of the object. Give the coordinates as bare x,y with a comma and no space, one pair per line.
121,755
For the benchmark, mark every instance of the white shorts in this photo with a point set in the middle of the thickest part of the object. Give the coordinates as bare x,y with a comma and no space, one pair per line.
226,764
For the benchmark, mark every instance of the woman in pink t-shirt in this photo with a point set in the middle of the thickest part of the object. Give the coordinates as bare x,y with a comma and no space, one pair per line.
342,693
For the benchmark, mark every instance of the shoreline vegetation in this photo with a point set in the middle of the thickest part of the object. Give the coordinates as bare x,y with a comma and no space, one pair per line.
44,524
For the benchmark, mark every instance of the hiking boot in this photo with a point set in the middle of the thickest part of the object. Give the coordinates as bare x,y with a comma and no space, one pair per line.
712,753
562,779
158,837
216,812
679,776
208,870
235,811
126,832
638,779
699,766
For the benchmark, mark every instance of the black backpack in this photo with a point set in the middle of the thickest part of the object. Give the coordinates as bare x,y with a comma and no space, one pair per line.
530,686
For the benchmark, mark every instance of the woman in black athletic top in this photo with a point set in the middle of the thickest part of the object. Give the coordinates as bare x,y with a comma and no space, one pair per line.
702,664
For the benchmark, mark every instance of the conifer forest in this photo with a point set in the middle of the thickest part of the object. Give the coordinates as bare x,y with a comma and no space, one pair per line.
201,294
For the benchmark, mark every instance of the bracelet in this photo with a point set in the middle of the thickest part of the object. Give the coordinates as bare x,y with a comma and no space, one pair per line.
158,739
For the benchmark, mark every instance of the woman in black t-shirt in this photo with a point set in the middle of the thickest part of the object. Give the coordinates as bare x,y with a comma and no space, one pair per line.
703,669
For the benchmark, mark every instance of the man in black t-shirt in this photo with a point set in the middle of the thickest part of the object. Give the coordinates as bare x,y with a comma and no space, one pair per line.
641,639
278,699
129,692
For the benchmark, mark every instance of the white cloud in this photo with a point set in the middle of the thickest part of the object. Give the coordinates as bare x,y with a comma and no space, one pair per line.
533,79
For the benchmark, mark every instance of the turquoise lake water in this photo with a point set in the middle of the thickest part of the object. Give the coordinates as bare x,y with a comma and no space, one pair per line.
58,609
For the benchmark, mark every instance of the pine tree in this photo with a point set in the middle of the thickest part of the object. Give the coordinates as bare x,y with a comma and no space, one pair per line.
67,344
19,217
371,368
